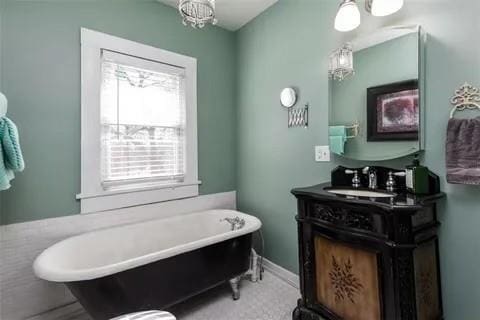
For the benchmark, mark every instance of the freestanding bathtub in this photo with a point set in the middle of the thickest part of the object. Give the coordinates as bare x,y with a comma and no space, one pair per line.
150,265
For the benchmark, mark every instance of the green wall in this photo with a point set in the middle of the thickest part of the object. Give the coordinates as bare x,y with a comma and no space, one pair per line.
373,67
288,45
41,78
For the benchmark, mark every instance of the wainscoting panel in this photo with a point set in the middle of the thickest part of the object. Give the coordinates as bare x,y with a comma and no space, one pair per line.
23,295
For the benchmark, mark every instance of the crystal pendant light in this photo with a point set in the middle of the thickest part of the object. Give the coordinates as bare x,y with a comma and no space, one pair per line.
341,63
197,13
348,16
381,8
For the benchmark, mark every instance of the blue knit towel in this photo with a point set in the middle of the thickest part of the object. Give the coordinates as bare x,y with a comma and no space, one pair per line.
11,159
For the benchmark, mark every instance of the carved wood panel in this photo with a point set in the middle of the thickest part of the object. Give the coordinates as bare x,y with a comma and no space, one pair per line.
347,280
426,280
346,218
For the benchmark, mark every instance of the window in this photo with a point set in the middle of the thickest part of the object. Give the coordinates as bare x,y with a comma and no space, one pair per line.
138,124
142,114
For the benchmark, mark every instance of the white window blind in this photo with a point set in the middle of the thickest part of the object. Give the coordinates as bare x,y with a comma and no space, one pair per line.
142,116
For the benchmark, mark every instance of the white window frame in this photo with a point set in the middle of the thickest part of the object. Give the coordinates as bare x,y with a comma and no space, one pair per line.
94,197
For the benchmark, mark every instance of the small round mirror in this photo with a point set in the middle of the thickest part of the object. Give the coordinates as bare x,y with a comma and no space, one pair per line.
288,97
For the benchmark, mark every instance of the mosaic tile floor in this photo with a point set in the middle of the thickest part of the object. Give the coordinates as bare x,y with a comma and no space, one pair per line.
269,299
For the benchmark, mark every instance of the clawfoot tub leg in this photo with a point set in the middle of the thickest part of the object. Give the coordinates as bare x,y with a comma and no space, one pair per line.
234,284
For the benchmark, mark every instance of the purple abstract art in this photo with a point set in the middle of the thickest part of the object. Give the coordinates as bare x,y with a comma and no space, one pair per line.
398,112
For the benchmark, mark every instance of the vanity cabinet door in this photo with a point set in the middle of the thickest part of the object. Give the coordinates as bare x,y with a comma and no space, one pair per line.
344,277
347,280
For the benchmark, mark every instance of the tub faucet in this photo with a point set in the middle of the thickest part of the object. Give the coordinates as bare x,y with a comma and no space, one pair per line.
372,177
235,223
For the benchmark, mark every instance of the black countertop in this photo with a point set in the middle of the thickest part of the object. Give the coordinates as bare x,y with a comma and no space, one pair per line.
400,201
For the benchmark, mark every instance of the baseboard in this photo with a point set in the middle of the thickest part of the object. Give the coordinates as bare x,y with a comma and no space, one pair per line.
70,311
284,274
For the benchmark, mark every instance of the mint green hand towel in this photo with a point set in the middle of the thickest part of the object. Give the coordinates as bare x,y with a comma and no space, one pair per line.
337,136
337,144
11,159
337,131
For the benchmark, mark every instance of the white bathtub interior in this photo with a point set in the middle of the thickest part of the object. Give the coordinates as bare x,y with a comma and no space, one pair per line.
100,253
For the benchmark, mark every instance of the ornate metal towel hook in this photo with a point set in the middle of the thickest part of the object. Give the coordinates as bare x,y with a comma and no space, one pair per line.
466,97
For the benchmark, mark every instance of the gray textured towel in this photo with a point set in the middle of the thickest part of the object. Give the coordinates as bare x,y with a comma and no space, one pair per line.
463,151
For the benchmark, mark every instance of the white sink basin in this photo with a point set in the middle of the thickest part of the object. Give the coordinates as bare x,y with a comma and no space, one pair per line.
361,193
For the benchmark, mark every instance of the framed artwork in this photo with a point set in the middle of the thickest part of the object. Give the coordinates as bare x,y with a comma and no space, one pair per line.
393,112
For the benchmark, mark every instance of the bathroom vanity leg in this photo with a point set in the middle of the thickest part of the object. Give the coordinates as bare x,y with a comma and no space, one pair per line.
234,284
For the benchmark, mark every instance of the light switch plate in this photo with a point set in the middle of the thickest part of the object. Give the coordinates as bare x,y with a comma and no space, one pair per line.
322,153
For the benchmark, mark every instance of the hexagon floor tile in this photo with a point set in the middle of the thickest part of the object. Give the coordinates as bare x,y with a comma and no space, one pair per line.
269,299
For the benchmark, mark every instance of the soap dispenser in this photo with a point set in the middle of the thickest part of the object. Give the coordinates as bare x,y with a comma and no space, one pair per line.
416,179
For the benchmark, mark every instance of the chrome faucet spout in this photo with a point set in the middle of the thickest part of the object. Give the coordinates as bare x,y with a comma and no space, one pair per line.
372,177
372,180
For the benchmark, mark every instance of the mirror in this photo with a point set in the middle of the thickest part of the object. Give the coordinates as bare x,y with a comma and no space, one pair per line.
376,113
288,97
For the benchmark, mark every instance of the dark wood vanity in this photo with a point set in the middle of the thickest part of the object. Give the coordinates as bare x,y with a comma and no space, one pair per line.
368,258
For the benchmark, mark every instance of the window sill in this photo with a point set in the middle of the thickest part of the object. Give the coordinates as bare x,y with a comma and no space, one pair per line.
116,199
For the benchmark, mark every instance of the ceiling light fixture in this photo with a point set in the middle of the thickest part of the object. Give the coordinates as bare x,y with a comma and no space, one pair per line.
197,13
348,16
381,8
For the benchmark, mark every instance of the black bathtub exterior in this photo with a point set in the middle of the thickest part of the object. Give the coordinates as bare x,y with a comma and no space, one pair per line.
163,283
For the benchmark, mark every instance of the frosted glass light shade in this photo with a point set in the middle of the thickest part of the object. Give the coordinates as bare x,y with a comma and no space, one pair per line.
341,63
381,8
348,16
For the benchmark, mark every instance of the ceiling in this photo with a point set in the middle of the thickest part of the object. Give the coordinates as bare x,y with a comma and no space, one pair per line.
234,14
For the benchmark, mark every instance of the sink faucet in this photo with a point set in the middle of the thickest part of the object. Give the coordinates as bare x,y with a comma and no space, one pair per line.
356,183
372,177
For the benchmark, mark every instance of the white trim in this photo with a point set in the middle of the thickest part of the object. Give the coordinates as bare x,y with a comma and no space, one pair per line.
116,200
284,274
93,196
141,188
69,311
159,66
